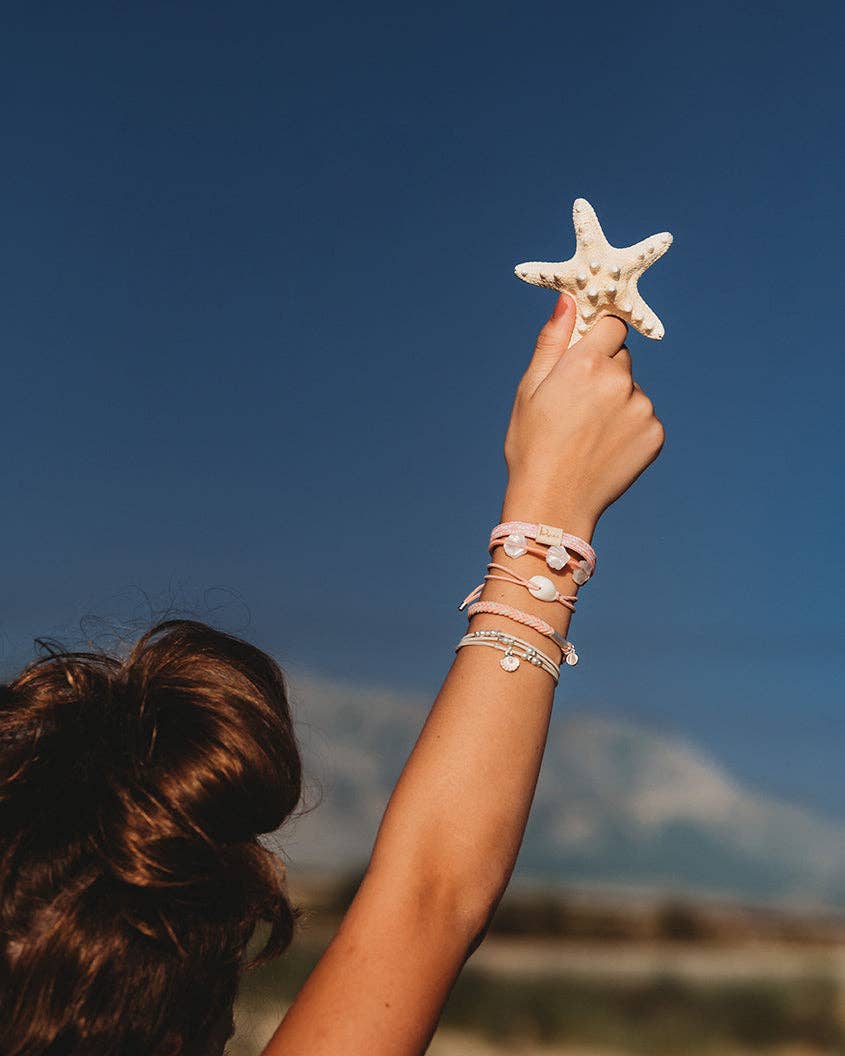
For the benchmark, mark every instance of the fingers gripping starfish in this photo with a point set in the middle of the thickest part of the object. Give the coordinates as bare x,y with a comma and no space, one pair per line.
601,278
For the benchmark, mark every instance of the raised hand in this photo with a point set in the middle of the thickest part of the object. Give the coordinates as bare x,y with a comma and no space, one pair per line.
581,429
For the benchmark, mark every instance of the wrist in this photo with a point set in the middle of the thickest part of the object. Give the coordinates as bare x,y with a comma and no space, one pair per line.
543,506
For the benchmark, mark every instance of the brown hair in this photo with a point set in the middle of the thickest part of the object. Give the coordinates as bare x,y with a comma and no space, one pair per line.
132,792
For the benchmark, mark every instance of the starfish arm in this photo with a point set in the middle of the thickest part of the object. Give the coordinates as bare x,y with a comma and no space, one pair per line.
588,232
641,316
645,253
554,275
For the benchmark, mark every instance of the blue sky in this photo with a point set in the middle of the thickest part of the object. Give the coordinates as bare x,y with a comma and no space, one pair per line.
261,334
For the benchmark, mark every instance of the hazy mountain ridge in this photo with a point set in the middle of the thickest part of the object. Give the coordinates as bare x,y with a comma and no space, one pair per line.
615,804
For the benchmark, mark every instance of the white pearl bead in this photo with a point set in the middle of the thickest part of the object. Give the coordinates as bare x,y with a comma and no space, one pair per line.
556,557
515,545
542,588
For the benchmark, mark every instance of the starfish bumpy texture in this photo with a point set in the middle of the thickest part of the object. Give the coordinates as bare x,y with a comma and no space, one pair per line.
601,279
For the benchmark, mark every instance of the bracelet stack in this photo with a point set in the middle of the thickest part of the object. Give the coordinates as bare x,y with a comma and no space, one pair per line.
560,550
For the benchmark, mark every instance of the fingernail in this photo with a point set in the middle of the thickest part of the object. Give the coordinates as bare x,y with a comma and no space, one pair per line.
561,306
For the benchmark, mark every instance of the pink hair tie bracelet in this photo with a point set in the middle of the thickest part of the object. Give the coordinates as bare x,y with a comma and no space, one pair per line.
514,536
538,587
556,557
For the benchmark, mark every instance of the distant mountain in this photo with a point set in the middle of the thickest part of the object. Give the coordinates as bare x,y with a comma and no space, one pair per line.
616,804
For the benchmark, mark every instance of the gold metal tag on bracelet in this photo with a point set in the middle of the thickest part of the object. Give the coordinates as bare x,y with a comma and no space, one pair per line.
549,536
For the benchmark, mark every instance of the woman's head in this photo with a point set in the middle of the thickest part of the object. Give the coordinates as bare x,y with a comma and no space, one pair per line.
132,792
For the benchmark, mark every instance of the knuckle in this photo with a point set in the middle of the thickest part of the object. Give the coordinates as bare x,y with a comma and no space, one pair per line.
542,345
600,362
657,434
585,367
617,381
644,404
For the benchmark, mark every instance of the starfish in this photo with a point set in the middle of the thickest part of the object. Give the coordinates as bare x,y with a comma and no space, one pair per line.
601,278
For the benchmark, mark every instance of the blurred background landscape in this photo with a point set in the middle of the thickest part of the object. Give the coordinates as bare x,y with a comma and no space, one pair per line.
659,905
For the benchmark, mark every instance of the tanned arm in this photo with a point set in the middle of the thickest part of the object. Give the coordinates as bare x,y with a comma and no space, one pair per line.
581,432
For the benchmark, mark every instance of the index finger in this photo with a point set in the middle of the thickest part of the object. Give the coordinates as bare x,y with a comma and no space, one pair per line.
605,338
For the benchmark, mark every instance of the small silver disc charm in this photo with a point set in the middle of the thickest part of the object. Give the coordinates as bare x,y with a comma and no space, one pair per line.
572,658
509,662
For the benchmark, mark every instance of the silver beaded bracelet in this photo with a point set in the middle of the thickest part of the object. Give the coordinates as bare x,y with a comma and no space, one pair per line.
509,644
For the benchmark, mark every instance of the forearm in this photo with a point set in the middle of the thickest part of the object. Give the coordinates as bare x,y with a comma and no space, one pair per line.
457,816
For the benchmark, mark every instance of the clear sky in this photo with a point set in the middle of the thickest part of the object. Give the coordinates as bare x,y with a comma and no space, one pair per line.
261,333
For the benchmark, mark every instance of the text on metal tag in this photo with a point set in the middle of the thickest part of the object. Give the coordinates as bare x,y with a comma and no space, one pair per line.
548,535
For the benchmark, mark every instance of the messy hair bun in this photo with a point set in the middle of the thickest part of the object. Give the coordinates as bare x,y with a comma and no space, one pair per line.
132,793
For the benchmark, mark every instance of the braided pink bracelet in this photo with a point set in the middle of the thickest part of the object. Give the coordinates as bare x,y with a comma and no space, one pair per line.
513,535
538,587
529,620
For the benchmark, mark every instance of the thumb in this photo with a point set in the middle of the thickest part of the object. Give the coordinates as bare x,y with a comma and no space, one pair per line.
553,340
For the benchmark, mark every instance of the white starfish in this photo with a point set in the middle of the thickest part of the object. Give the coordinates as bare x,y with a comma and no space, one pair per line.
601,278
